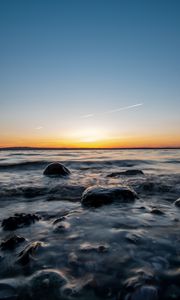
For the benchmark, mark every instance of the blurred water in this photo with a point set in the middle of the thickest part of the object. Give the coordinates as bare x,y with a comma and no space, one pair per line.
132,236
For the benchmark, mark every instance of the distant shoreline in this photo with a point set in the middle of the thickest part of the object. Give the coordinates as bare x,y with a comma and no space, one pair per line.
59,148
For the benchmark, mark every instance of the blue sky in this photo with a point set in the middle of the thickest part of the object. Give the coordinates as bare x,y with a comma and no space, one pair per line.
61,60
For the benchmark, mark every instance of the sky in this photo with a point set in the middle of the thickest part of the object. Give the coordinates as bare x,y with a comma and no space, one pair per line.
90,73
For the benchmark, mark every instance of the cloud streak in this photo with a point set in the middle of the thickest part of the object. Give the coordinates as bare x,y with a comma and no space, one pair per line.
112,111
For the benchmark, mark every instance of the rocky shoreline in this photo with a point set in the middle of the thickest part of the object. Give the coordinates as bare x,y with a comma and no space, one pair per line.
108,243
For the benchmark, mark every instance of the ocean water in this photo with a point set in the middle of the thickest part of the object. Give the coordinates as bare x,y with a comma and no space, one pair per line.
117,251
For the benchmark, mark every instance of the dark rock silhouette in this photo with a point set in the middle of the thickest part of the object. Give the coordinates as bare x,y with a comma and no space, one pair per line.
96,195
19,220
56,169
12,242
157,211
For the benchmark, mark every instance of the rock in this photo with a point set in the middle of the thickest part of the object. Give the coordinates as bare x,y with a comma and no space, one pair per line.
62,227
88,247
157,211
177,202
134,238
78,289
56,169
141,286
19,220
58,220
46,284
96,196
146,292
126,173
12,242
72,259
28,253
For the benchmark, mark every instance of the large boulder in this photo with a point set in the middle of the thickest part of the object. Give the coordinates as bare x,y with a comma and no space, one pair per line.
56,169
96,196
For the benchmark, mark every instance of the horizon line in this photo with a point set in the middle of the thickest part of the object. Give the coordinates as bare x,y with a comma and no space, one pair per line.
85,148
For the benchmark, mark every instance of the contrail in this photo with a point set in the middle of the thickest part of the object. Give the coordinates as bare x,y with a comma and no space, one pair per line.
113,111
87,116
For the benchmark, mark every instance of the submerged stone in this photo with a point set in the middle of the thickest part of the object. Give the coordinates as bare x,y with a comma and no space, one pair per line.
19,220
56,169
88,247
28,253
12,242
148,292
46,284
96,196
157,211
62,227
177,202
126,173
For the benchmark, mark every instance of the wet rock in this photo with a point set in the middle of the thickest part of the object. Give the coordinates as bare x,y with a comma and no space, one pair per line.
142,207
72,259
56,169
133,238
141,286
46,284
62,227
87,247
126,173
148,292
177,202
11,242
78,289
96,196
141,277
19,220
108,285
58,220
157,211
28,253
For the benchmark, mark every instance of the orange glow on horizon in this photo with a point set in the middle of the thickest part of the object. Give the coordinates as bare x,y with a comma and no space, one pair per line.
92,141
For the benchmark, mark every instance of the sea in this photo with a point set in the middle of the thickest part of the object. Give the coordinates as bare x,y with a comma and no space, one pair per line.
53,247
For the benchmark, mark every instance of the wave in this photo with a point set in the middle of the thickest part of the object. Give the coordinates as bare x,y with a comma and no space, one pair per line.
172,161
77,164
59,192
80,164
23,165
100,164
24,154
